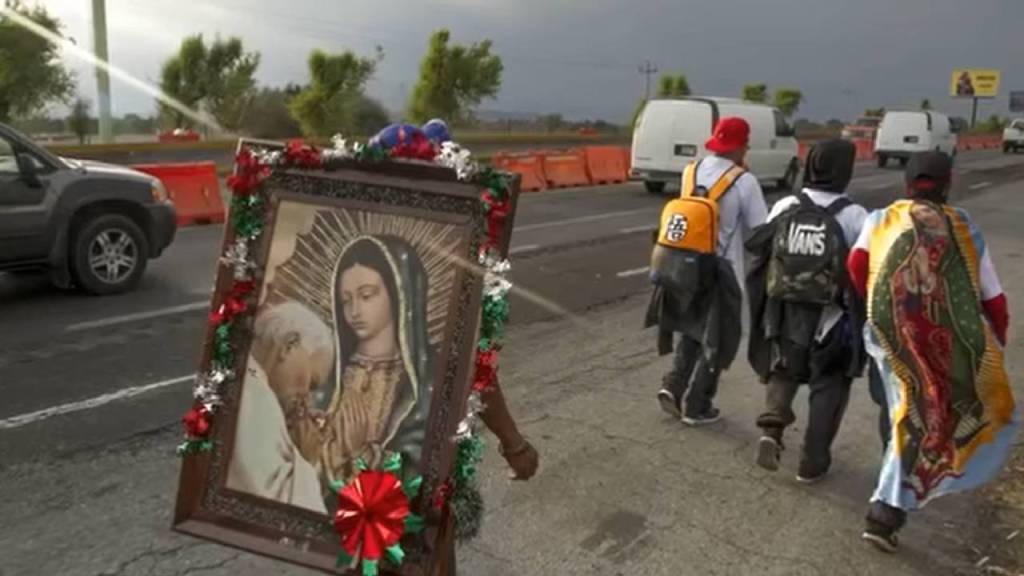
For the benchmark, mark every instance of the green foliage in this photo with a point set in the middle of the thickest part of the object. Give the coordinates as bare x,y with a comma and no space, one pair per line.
269,116
79,121
755,93
218,79
788,100
926,104
874,112
454,79
553,122
637,112
993,123
31,74
334,102
673,86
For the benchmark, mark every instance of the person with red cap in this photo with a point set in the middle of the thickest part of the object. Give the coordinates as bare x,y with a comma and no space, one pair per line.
711,333
937,323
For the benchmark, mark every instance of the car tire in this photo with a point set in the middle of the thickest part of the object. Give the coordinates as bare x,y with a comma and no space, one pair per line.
788,181
654,187
883,160
109,253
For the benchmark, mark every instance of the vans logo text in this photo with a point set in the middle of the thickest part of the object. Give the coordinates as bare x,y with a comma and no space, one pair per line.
806,239
675,229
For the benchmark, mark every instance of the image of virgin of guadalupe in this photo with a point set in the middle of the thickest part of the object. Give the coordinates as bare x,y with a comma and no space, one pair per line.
384,363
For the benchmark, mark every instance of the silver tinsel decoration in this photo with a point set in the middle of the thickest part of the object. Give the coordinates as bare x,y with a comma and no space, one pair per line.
496,285
470,425
340,149
237,257
457,158
208,386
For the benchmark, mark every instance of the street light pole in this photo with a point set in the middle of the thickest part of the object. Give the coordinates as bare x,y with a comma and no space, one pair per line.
99,39
648,70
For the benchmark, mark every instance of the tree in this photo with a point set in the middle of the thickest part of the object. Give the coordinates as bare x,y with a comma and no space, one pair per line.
454,79
926,104
218,79
755,93
31,74
79,121
874,112
552,122
328,105
673,86
788,100
269,116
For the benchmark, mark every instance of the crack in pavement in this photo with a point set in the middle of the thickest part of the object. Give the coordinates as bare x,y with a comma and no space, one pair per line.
152,553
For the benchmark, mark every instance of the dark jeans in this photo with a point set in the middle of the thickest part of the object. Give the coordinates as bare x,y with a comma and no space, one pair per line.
691,371
829,395
877,389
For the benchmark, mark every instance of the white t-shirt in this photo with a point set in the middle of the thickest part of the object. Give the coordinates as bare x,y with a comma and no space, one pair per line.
740,210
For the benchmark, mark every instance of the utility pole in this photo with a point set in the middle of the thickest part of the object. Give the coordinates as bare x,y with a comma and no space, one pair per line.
648,70
99,41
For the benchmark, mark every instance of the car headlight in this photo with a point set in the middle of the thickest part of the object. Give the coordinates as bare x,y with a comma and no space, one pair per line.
159,192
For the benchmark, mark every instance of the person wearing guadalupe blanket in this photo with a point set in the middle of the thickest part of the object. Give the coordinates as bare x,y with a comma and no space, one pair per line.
937,321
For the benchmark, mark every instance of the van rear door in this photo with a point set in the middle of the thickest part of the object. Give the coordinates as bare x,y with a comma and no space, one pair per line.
670,134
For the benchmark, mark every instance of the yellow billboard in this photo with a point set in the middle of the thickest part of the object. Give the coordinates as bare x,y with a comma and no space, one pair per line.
975,83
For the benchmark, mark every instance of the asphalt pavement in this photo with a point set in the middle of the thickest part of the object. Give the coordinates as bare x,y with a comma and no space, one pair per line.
93,386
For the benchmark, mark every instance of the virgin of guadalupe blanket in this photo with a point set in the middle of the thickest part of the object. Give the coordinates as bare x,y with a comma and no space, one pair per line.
951,406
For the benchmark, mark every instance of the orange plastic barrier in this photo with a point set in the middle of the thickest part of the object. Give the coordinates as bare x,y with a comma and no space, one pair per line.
528,165
865,148
565,169
606,164
193,188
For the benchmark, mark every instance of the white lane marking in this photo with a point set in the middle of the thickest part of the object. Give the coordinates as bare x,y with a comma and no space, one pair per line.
881,186
581,219
526,248
644,228
634,272
980,185
104,322
96,402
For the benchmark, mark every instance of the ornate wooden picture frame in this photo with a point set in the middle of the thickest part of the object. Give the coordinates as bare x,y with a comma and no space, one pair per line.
343,331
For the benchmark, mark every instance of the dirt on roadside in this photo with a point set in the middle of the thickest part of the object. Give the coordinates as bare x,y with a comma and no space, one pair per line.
1001,553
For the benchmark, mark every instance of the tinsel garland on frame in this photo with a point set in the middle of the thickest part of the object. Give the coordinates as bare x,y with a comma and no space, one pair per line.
459,494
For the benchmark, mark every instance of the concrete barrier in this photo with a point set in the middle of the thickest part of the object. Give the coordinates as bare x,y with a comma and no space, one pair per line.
194,189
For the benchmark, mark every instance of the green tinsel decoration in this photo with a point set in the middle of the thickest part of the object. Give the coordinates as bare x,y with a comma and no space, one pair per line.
466,503
247,216
223,354
495,315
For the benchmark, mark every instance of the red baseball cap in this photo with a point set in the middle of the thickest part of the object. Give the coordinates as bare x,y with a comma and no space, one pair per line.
730,135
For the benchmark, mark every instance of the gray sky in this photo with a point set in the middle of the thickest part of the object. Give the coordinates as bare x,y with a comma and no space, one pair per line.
581,57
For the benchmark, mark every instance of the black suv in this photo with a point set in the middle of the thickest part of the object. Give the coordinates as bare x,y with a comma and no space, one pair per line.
90,225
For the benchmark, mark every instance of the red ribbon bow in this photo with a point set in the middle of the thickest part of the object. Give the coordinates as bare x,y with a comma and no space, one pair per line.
234,304
298,153
196,422
415,147
497,212
371,514
248,173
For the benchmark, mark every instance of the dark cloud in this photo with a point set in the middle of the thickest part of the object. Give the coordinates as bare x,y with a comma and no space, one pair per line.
580,57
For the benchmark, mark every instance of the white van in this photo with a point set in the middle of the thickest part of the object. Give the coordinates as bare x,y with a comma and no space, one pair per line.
903,134
670,133
1013,136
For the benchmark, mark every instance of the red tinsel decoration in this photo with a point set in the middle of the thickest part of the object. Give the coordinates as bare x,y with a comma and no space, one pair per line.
486,370
371,515
442,495
197,422
248,173
497,212
414,147
298,153
234,303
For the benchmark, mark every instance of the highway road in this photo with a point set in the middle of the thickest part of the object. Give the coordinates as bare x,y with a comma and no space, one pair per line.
77,371
92,389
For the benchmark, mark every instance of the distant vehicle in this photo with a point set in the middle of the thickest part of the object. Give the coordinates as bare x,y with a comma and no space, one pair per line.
865,128
90,225
670,133
903,134
1013,136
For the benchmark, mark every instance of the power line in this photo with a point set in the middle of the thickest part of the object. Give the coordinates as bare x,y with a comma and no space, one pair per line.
648,70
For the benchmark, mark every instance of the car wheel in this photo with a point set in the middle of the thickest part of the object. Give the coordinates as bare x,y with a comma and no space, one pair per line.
788,181
109,254
654,187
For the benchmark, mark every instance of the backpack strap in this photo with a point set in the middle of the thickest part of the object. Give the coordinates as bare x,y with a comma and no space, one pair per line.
725,183
838,205
690,179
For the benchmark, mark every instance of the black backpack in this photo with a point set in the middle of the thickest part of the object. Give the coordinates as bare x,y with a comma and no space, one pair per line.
808,260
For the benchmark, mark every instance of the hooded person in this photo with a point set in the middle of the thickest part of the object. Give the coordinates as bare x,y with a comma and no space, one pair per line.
804,318
384,373
937,321
721,204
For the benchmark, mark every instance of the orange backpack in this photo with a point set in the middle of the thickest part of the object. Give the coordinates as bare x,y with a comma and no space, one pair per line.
690,222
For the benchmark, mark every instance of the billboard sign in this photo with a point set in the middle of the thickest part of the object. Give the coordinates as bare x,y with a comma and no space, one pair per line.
1017,101
975,83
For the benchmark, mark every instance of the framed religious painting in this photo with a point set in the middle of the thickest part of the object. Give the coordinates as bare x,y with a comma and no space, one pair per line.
358,308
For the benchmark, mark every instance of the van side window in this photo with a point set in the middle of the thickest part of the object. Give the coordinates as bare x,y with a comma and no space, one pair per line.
782,128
